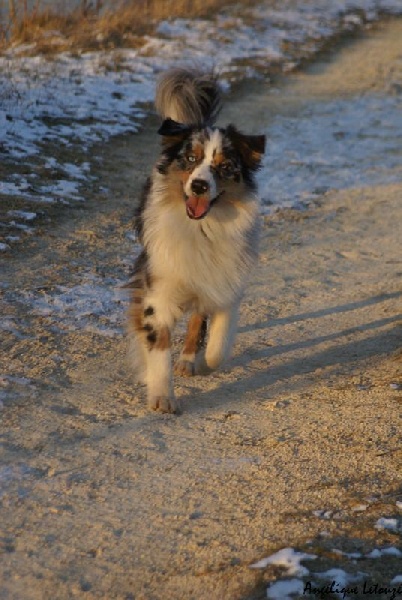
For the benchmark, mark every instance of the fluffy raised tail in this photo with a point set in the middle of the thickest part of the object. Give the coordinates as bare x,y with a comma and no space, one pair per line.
188,96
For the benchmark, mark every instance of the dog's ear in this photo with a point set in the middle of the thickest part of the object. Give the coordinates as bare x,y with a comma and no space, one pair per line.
174,131
250,147
173,135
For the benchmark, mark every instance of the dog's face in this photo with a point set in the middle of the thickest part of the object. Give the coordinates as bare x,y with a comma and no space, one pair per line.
208,161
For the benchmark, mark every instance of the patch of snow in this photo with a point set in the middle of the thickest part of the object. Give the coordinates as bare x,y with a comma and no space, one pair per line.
93,305
390,524
397,579
21,214
375,553
25,228
288,558
11,188
62,188
284,590
77,171
342,580
380,552
341,144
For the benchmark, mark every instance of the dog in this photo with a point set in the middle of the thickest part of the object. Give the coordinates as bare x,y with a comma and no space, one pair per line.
198,223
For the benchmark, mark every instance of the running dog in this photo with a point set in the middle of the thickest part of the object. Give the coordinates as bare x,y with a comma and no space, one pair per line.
198,223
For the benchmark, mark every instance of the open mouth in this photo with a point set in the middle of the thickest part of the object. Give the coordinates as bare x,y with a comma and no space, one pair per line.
197,207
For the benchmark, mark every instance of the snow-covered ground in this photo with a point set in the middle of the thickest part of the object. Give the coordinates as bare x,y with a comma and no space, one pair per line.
342,144
332,582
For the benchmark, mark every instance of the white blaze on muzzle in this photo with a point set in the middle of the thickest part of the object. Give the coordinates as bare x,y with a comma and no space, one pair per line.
200,188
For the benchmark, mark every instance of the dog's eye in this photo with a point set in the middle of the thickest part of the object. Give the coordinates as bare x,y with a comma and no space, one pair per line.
191,158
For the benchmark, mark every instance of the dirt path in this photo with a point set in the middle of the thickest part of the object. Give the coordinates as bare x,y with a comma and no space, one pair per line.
295,444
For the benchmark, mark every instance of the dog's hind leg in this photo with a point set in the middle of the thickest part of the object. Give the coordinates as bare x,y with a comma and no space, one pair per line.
195,337
222,331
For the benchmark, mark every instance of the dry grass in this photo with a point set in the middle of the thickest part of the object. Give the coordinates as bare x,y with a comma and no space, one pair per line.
92,26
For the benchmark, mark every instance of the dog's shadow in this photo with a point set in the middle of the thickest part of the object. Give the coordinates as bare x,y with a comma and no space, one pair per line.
350,346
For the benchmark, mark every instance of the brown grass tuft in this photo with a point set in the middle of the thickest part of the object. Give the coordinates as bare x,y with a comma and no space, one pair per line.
91,25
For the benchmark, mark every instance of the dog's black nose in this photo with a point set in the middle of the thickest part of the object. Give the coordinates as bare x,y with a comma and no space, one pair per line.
199,187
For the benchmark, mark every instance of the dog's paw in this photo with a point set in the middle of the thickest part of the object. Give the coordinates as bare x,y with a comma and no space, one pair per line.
164,404
184,368
140,377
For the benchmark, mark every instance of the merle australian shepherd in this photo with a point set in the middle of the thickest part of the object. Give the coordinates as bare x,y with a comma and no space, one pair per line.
198,223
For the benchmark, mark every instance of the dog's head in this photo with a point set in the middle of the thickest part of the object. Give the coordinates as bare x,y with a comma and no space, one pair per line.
208,161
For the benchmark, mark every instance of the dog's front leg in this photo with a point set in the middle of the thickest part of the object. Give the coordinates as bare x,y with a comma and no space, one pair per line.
160,313
159,370
222,332
150,325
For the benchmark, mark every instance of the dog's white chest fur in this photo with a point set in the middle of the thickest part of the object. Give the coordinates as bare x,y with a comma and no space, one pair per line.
206,260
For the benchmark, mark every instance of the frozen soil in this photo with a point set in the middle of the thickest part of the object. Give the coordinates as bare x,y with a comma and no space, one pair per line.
295,443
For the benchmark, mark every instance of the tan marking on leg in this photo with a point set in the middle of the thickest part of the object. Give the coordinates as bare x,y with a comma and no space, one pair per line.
196,331
163,340
195,334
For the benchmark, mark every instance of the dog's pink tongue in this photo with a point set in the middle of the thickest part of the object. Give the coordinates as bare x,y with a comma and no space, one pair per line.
197,206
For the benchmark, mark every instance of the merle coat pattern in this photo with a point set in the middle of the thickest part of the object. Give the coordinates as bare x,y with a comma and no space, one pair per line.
198,223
